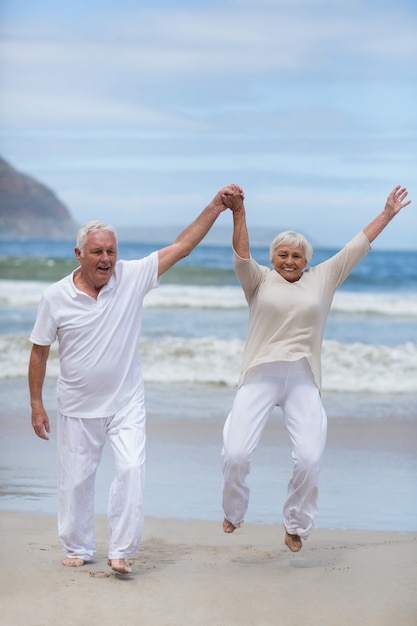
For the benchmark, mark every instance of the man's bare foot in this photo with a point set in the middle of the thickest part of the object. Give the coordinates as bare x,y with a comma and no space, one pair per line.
73,562
228,526
293,542
119,566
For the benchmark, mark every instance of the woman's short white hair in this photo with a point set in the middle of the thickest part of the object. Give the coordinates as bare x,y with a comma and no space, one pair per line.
91,227
293,239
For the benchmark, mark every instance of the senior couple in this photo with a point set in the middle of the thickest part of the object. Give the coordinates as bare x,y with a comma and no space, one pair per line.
95,314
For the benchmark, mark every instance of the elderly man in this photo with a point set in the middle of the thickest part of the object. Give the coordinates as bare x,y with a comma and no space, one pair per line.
95,314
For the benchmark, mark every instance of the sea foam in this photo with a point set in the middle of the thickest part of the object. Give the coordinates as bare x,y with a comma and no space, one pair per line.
393,304
354,367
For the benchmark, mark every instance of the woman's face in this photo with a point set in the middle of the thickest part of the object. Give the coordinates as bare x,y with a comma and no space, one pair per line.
289,262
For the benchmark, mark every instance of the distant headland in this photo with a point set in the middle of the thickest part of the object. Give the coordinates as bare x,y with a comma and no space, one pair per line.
30,210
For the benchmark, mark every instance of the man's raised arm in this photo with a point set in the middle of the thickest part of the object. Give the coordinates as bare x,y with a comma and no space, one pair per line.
193,234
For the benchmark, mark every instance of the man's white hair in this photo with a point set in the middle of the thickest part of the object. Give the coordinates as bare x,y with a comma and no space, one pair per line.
89,228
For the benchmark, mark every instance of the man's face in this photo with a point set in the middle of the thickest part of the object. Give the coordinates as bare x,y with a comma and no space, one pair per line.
98,262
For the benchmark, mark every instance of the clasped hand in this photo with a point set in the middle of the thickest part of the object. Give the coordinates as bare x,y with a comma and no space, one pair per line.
233,197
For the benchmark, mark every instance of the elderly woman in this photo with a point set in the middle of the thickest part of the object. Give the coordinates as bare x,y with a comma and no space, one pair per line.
288,309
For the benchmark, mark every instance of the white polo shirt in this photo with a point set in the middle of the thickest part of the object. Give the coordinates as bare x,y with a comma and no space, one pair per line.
100,370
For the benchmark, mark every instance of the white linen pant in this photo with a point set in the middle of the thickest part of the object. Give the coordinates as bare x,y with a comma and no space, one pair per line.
291,386
80,445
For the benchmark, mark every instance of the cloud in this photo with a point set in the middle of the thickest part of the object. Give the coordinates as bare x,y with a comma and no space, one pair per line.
133,52
132,106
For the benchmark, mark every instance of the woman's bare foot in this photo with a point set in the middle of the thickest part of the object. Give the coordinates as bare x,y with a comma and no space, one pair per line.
293,542
228,526
119,566
73,562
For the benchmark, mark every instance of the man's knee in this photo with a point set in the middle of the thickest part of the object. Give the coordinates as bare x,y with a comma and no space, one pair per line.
130,467
308,459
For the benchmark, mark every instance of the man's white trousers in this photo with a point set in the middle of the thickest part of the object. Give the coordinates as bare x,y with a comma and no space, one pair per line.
80,445
290,385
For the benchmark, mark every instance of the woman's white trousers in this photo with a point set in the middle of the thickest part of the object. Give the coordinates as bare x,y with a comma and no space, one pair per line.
291,386
80,445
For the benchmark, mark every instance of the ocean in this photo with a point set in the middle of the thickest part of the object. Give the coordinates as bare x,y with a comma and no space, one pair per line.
193,334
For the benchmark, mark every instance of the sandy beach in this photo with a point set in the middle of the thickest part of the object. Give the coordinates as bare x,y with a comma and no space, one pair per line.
191,573
358,568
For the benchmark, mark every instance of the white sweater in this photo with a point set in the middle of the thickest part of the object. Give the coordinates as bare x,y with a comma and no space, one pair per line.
287,320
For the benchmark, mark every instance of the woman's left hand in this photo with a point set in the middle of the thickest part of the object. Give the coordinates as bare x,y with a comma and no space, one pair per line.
396,201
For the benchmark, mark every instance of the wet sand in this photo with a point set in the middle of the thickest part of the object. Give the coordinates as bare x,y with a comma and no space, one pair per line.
191,573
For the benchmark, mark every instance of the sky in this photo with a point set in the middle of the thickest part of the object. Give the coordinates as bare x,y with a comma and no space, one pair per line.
137,113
